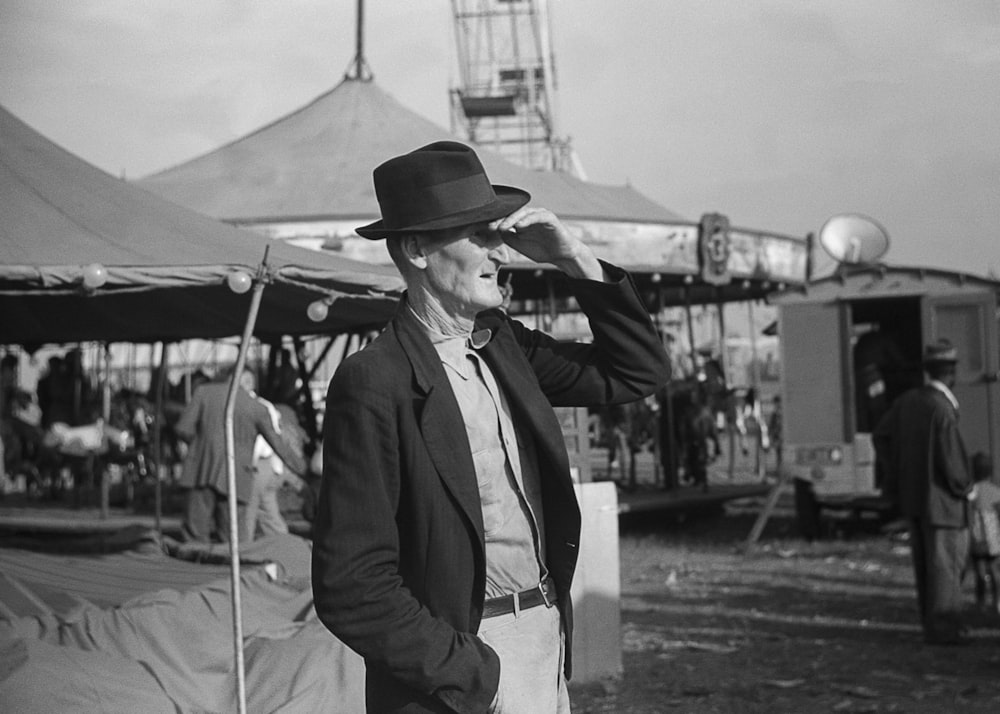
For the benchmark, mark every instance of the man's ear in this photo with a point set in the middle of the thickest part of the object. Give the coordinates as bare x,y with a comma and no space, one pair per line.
413,250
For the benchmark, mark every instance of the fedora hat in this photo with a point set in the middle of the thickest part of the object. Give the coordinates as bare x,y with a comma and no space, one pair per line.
939,352
441,185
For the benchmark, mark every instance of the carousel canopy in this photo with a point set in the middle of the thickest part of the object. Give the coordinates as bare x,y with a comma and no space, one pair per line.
65,226
316,164
306,177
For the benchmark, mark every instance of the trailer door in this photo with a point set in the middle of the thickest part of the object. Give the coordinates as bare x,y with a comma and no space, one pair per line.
813,373
969,321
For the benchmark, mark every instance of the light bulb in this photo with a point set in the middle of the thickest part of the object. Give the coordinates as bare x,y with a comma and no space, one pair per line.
94,276
238,281
317,310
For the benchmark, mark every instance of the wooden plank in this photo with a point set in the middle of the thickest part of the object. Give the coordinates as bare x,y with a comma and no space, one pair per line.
767,510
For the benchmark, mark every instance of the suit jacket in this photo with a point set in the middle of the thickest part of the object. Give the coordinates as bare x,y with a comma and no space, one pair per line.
399,566
927,469
203,426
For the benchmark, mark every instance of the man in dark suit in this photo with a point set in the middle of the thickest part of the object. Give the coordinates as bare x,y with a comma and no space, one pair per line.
927,475
447,529
203,426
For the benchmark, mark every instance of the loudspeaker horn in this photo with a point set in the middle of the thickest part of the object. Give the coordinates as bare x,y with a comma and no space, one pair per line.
853,238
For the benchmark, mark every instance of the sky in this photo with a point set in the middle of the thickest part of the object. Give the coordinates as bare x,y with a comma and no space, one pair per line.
777,113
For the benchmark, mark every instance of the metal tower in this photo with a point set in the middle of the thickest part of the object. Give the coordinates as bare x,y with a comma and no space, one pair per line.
505,98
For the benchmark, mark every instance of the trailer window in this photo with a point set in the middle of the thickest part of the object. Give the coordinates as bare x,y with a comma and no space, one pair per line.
962,326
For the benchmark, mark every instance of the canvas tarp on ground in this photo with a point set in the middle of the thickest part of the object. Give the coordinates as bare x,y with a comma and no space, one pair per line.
166,266
105,633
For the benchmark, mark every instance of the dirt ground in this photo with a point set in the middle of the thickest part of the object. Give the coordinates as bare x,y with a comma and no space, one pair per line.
793,626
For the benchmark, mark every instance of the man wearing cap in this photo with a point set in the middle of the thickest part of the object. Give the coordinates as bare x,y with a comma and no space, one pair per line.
447,529
927,474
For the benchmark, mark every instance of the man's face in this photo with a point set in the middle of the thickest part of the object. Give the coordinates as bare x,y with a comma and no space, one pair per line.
462,266
944,373
248,381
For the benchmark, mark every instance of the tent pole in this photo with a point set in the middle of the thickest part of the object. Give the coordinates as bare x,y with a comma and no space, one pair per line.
322,356
234,525
270,381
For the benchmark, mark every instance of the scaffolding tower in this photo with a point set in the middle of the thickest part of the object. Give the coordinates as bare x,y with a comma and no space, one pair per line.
506,94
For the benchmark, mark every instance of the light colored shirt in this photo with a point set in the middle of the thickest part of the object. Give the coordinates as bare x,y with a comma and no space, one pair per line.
989,496
514,534
985,526
263,450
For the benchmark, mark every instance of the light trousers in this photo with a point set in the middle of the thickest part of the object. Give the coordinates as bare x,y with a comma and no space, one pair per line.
263,510
531,648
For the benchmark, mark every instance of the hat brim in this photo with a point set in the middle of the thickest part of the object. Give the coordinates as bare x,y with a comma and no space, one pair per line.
508,200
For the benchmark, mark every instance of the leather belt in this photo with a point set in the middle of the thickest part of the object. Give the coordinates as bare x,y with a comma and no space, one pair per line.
542,594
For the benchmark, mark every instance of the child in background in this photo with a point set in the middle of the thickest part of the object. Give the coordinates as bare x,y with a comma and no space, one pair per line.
985,534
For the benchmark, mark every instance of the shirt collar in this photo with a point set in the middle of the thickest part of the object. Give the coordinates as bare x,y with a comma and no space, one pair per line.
943,388
453,348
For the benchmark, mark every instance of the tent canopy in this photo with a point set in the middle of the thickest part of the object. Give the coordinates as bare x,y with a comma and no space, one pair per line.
166,266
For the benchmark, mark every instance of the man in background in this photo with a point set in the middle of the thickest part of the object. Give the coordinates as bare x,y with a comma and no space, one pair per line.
202,427
927,475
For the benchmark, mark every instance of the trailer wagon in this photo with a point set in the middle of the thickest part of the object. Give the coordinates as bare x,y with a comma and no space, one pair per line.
850,344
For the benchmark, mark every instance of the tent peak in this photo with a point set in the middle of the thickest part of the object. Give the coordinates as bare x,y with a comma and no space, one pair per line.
359,69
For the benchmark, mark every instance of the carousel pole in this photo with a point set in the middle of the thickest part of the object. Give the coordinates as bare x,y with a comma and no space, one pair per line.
759,466
755,369
237,281
312,427
694,365
102,476
730,394
662,330
157,438
551,293
690,329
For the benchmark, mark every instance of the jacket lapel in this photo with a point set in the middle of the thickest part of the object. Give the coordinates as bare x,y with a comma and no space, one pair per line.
441,421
